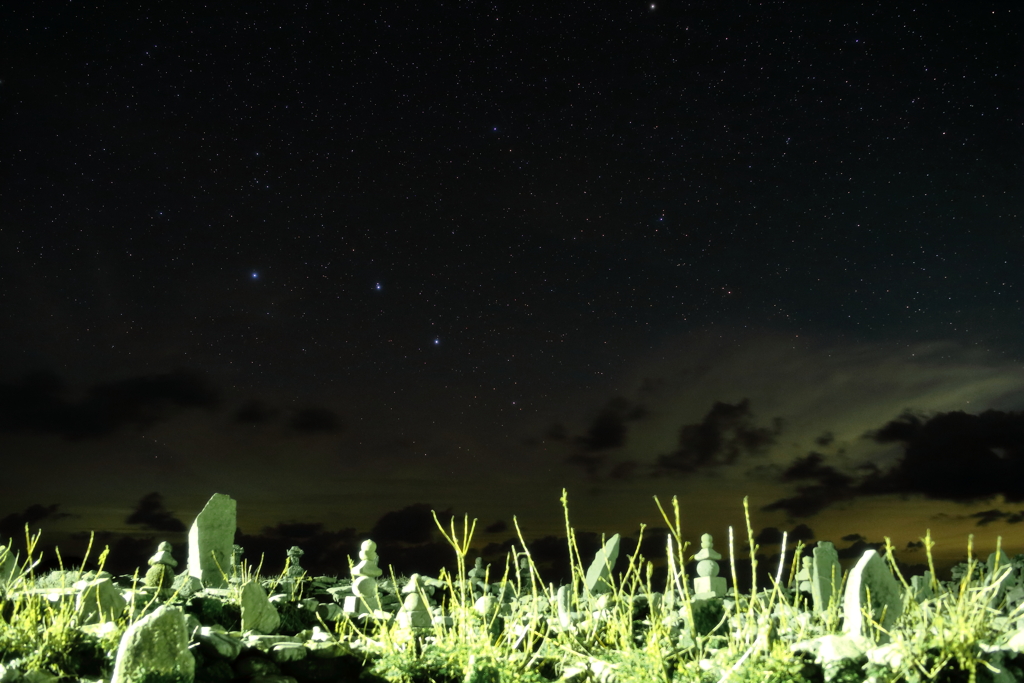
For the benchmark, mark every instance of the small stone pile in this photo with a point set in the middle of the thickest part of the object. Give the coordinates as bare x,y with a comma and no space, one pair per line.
365,599
708,583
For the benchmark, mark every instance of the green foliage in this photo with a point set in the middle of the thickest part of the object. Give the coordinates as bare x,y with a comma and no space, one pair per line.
640,636
295,618
210,611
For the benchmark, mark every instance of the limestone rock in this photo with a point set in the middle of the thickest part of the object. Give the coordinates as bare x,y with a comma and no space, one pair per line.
98,600
258,614
598,578
158,642
826,575
211,541
871,573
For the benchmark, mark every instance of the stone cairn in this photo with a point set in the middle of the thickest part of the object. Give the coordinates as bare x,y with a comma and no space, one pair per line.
235,579
294,575
414,613
708,583
803,576
159,577
476,576
525,572
364,598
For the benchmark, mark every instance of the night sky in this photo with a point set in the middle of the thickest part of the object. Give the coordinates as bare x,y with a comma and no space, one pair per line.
349,264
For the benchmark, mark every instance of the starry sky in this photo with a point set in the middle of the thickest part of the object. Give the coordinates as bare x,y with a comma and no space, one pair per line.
351,264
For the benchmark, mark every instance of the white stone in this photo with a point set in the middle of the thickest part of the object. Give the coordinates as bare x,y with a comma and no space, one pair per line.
158,642
871,573
288,652
212,536
414,614
98,600
365,599
368,564
224,645
826,575
803,577
598,580
257,612
329,611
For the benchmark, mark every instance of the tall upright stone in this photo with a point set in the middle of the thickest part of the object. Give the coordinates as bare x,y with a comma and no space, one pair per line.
157,643
598,579
826,575
212,536
871,574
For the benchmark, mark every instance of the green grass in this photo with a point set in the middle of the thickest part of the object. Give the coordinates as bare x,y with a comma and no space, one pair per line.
521,639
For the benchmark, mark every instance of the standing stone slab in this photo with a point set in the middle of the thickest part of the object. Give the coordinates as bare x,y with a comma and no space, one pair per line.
598,579
158,642
213,532
826,575
258,614
872,574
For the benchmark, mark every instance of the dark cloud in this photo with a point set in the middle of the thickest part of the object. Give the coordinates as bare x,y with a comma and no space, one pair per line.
255,412
810,467
312,420
556,432
294,530
35,403
769,536
986,517
150,513
590,464
701,444
624,471
773,536
653,386
952,456
608,430
955,456
825,439
13,525
499,527
809,501
831,487
859,547
412,524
